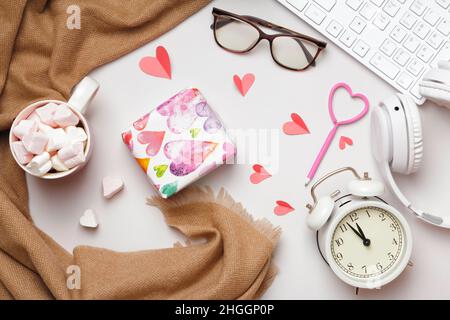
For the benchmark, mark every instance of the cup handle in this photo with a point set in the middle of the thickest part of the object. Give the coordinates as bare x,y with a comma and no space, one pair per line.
83,93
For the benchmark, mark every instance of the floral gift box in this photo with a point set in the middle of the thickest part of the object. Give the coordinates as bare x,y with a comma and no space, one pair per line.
179,142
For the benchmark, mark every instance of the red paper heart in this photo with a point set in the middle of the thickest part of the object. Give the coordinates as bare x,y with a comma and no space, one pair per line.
282,208
296,126
259,175
158,66
345,141
245,84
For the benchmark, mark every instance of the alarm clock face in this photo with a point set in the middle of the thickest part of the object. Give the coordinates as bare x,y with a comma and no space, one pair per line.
368,243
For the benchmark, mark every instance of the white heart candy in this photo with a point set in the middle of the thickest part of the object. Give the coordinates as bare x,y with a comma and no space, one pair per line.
88,219
111,186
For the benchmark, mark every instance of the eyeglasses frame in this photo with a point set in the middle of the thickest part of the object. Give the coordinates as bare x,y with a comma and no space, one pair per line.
254,22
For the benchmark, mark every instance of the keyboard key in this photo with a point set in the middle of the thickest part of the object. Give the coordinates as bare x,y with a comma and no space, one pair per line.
422,30
348,38
398,34
435,40
432,17
381,21
388,47
415,67
378,3
401,57
425,53
298,4
411,43
419,7
415,91
443,3
385,66
444,27
408,20
443,54
354,4
391,8
315,14
405,80
326,4
358,25
368,11
334,28
361,48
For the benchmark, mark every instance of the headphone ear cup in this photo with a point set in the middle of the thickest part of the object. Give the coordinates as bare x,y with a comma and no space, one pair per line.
415,138
398,133
381,135
435,85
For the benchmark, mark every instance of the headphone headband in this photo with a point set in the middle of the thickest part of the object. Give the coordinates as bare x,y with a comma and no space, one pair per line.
443,222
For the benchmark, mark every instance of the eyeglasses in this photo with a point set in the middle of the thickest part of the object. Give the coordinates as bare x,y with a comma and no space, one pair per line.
289,49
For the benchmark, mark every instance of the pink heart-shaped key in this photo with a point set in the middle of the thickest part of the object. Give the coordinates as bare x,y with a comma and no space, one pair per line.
337,123
245,83
158,66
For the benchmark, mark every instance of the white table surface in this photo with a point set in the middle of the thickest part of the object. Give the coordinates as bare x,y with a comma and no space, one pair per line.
126,93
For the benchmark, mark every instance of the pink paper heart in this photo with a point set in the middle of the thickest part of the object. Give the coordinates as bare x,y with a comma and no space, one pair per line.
158,66
345,141
154,140
295,127
244,84
282,208
260,174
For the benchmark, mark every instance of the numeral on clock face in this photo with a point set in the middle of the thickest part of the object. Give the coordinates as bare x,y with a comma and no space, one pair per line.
370,242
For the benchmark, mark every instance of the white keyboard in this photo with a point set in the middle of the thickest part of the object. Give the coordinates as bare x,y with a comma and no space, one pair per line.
399,40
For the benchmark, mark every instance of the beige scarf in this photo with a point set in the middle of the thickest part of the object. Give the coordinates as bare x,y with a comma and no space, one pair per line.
40,58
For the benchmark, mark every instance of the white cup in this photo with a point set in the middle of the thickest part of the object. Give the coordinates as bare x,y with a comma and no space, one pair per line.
81,97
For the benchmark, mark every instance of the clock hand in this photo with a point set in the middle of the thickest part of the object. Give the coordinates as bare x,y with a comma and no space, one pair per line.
356,232
366,241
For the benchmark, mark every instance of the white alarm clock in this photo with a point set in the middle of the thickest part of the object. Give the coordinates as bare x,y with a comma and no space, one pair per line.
366,242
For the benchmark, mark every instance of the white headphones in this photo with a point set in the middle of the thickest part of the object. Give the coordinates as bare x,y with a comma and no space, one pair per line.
397,134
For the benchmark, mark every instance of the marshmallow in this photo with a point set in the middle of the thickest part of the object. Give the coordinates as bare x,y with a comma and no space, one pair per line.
89,219
70,151
25,127
57,164
76,134
64,117
75,161
72,155
40,164
22,155
44,128
35,142
47,112
34,116
111,186
57,139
